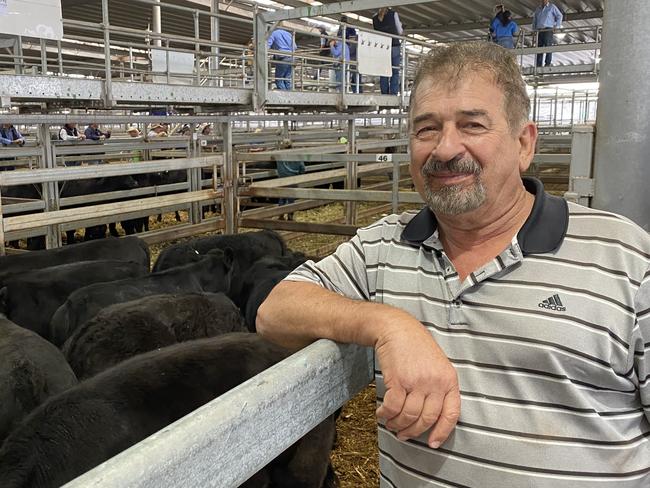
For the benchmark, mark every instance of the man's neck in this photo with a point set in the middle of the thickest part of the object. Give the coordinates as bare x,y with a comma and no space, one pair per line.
473,239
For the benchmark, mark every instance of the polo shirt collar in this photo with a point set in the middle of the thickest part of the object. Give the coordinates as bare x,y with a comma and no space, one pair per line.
543,231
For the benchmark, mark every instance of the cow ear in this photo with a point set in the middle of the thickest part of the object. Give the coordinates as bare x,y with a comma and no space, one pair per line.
228,257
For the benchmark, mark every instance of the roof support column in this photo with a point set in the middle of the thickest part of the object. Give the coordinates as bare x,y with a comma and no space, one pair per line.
156,23
623,121
214,37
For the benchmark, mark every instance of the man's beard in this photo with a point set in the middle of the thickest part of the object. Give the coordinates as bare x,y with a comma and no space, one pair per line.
453,199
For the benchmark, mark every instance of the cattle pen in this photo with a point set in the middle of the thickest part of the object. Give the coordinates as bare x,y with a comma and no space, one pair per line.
362,155
228,440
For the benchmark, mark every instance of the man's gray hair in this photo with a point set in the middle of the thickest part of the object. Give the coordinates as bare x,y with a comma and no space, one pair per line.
455,62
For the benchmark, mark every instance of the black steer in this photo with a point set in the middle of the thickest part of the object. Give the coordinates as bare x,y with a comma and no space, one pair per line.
248,248
31,298
31,370
212,274
124,330
102,416
125,249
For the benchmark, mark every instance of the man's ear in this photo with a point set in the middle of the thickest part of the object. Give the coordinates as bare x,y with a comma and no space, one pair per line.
527,143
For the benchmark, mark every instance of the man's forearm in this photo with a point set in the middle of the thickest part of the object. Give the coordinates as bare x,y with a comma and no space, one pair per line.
297,313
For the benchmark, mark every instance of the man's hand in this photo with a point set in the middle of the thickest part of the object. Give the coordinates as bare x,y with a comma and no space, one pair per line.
421,384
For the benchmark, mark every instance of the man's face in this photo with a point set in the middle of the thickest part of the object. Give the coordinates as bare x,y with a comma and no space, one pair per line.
463,152
544,3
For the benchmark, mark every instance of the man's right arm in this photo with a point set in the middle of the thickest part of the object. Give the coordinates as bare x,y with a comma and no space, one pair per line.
421,384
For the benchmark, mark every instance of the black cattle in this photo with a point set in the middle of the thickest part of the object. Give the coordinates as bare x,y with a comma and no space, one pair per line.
242,285
31,370
92,186
258,294
248,248
125,249
102,416
30,299
211,274
124,330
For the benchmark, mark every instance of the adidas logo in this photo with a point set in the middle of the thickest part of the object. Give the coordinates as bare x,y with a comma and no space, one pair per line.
553,303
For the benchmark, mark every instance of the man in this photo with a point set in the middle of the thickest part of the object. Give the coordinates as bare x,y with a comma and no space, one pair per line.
534,311
498,11
386,20
9,136
157,130
93,133
69,132
282,40
351,40
340,50
546,19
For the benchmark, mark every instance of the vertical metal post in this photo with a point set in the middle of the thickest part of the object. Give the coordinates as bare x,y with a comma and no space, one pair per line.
555,109
402,77
352,173
108,89
344,65
168,77
260,78
285,129
623,141
293,62
18,56
194,175
131,62
535,103
43,57
230,180
395,185
214,37
197,49
60,56
157,24
573,105
50,189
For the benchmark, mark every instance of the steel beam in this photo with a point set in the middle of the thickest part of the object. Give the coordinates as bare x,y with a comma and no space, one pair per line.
335,8
623,121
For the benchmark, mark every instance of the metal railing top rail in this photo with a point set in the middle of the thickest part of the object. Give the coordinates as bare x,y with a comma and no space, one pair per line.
14,178
226,441
59,119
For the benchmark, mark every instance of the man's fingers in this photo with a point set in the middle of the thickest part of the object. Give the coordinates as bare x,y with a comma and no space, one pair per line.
410,413
447,420
428,417
393,403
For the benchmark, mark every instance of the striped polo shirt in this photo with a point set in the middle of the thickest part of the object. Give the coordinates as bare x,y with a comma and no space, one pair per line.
550,341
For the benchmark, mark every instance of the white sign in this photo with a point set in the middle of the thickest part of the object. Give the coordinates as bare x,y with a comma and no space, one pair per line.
373,54
32,18
179,64
384,158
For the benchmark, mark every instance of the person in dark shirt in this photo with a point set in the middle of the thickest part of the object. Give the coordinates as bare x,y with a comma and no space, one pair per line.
386,20
93,133
9,135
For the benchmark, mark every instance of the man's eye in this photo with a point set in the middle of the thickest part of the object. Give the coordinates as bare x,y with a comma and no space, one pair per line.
474,125
425,131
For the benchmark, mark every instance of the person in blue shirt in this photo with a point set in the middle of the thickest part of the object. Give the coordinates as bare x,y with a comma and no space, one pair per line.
546,19
339,50
498,10
9,136
351,39
282,40
505,30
